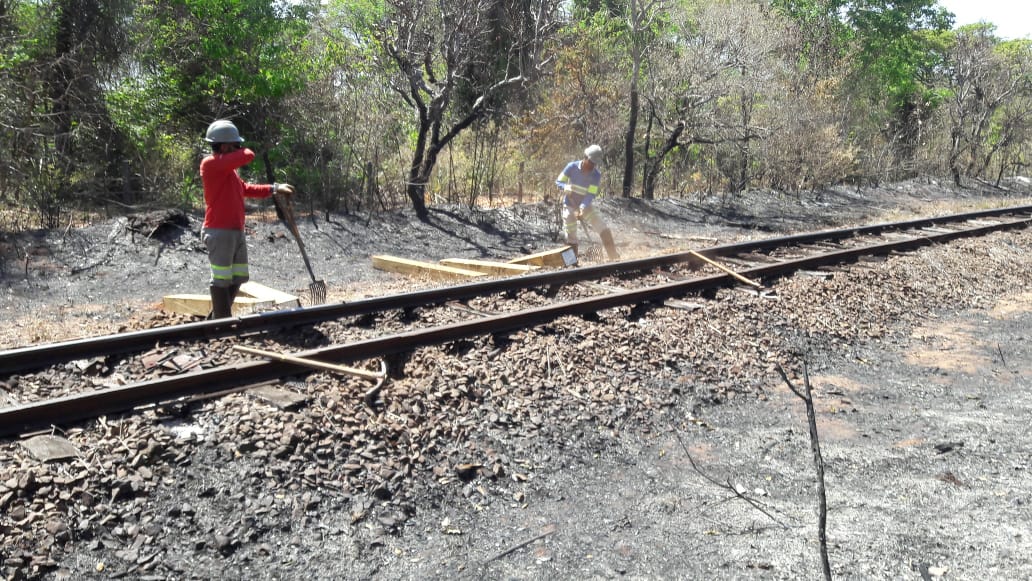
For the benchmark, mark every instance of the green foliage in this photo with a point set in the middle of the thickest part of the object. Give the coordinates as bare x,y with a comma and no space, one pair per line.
58,148
588,9
204,59
354,100
221,55
890,40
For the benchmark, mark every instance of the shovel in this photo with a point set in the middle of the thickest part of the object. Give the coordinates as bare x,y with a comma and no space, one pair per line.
317,290
592,251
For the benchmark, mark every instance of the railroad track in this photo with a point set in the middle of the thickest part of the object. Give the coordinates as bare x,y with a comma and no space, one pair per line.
660,279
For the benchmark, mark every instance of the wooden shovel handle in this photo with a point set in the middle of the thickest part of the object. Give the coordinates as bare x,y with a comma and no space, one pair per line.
311,363
726,269
287,211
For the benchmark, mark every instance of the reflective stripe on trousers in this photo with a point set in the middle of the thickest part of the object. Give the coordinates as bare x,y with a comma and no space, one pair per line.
590,216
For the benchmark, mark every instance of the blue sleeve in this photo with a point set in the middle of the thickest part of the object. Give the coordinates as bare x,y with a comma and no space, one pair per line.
563,178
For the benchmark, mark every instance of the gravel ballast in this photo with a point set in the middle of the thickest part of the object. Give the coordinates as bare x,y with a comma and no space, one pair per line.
653,447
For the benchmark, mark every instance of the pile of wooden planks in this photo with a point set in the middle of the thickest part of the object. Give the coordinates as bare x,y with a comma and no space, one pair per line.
252,298
463,268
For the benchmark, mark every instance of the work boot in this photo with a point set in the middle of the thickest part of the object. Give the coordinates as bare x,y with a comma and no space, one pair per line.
607,241
233,290
221,303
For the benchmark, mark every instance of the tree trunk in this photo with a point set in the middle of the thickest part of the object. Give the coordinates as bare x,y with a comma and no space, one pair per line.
632,114
742,177
632,124
61,81
954,156
647,193
416,191
270,174
417,178
656,163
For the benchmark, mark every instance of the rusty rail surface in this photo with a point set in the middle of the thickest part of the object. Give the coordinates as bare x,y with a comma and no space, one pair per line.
73,408
41,356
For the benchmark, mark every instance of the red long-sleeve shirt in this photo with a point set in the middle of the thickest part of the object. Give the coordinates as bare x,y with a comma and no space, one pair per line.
224,191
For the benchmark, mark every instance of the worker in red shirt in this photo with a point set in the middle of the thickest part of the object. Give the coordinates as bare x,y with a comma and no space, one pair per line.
224,194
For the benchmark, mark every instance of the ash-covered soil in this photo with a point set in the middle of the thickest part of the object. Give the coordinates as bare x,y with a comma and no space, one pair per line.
665,447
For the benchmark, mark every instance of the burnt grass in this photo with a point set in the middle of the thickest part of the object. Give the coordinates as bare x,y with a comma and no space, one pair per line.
668,448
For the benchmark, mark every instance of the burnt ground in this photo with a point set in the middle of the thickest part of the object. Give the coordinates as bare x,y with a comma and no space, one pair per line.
78,281
923,424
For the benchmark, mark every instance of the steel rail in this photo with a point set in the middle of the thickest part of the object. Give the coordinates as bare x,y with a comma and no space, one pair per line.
78,407
39,356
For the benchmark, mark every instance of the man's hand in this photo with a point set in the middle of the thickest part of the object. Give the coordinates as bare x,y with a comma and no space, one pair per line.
285,189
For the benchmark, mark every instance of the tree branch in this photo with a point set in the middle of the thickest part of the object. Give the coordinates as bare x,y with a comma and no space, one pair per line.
822,500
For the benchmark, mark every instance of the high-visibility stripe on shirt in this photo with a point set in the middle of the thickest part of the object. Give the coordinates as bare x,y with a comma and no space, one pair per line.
581,186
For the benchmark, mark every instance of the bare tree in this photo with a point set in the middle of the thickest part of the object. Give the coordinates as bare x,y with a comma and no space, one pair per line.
641,17
724,62
452,70
806,394
809,146
1015,123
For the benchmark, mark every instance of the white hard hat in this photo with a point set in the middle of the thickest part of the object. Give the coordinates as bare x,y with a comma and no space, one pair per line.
594,153
223,131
